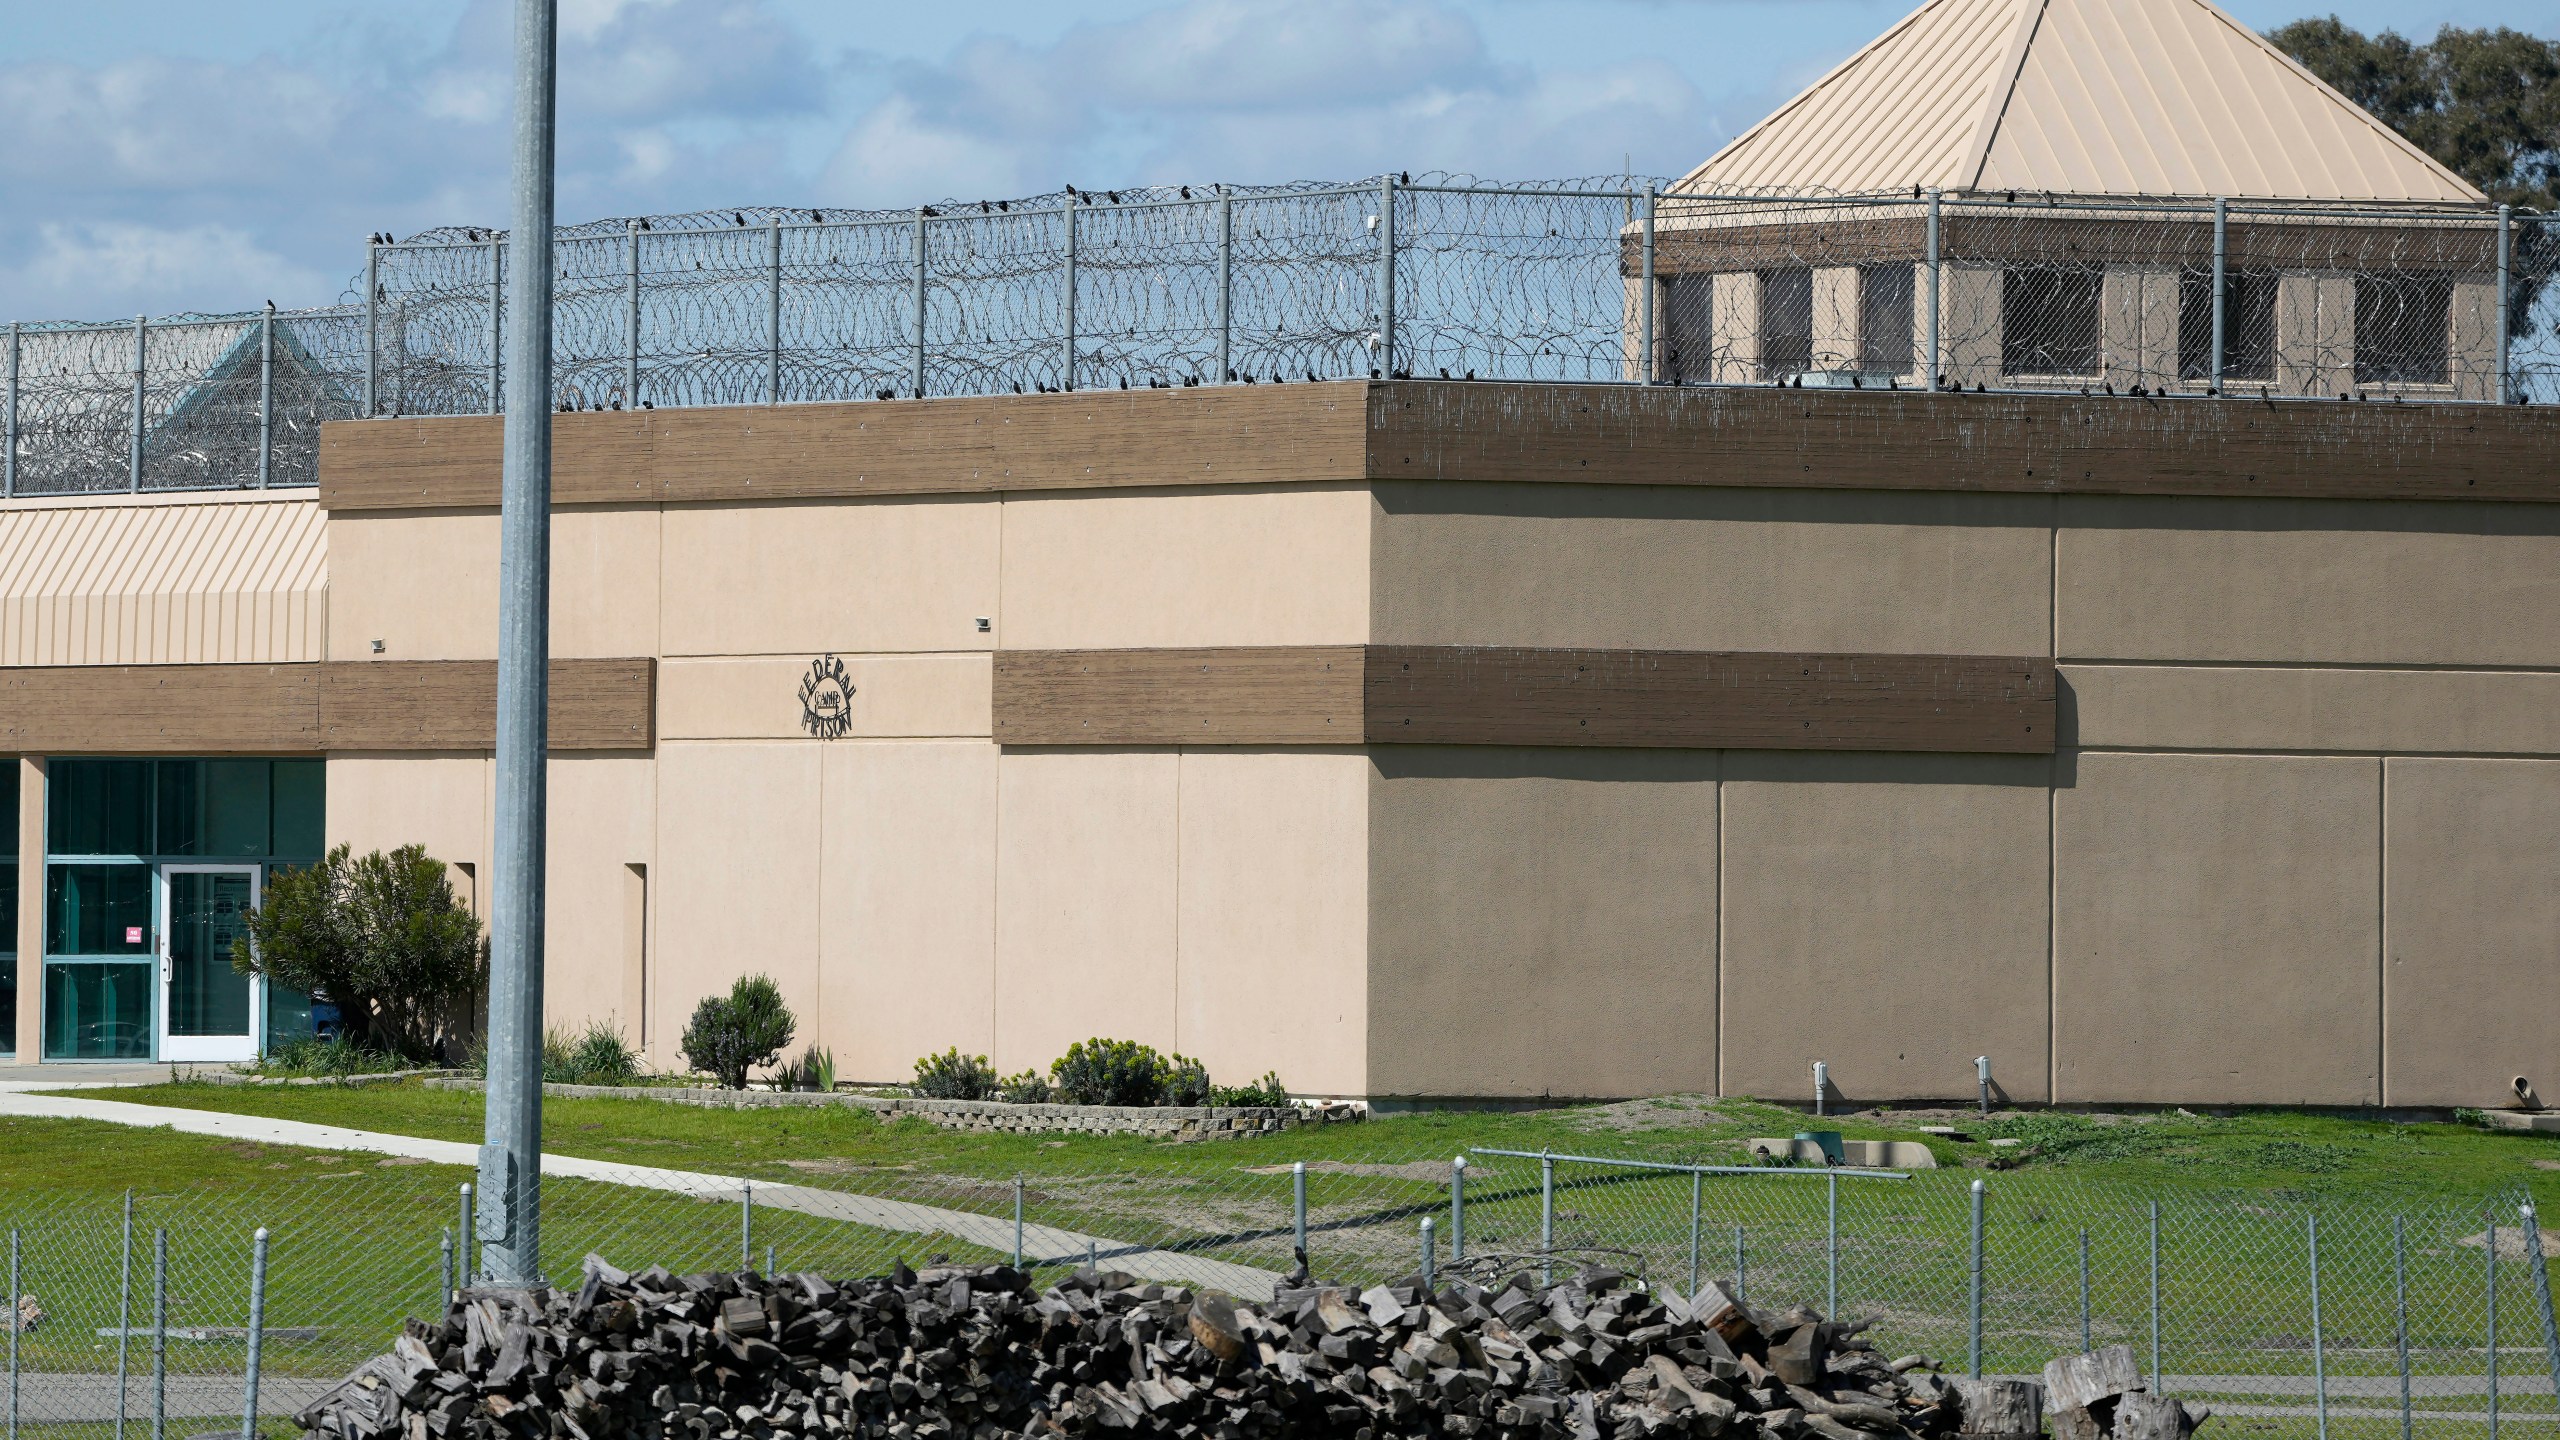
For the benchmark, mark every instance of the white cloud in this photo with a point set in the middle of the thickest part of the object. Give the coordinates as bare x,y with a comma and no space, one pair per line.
157,271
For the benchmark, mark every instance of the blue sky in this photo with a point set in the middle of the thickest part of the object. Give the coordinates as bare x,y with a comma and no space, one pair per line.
167,155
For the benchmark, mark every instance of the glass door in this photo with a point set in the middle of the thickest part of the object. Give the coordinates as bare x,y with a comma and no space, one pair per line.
208,1010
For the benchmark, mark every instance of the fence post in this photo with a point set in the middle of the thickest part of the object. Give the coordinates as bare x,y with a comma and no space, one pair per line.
1017,1222
1937,370
462,1237
1973,1299
2400,1314
1387,289
124,1313
2542,1294
444,1269
1547,1218
772,1267
2085,1345
920,276
266,394
372,328
1226,372
257,1332
1645,366
9,464
773,315
141,380
1697,1194
2319,1349
1430,1281
14,1321
2492,1336
159,1333
747,1225
2506,280
1067,294
1741,1271
497,328
1458,1211
631,307
2221,289
1982,1084
1298,1207
1831,1244
2158,1384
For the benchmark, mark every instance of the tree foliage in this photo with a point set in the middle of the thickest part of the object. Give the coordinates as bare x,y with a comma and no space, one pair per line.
2484,103
383,937
734,1033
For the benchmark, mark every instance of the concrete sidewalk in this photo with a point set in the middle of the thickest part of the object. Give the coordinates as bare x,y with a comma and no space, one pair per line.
1041,1243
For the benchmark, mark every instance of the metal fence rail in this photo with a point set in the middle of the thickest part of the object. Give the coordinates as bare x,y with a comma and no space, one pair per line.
2295,1319
1615,282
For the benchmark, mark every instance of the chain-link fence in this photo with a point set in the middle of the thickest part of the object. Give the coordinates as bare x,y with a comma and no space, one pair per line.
2295,1318
1586,282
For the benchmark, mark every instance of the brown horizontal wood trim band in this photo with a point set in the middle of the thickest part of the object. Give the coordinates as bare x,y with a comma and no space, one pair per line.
1914,440
160,709
1467,695
1688,699
304,709
453,704
1275,695
1223,435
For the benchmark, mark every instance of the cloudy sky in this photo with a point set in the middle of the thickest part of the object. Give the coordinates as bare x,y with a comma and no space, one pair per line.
168,155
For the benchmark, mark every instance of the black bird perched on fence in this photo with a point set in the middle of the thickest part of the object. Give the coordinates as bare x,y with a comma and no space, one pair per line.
1404,177
1005,205
1114,194
982,207
817,217
644,223
1186,192
1071,189
1311,377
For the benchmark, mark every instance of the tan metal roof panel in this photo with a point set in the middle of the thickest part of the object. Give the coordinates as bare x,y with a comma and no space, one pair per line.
157,581
2090,97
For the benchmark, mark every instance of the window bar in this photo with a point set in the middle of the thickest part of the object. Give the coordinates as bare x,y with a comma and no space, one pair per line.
2221,269
266,395
141,353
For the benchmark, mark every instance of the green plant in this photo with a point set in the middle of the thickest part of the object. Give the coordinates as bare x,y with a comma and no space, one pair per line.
1027,1088
1266,1093
732,1034
1186,1083
1110,1072
818,1069
594,1056
954,1076
383,936
337,1057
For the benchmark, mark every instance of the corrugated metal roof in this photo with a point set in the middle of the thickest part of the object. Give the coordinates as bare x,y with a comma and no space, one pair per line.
2089,97
163,582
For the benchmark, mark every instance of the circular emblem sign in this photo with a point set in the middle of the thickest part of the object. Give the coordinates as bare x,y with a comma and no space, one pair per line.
826,698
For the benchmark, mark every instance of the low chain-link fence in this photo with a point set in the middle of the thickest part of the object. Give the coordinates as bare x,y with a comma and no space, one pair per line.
2304,1319
1615,281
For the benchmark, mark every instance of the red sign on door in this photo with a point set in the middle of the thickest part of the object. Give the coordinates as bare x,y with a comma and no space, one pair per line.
133,934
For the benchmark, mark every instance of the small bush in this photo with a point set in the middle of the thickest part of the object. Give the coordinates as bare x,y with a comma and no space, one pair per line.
1186,1083
1026,1088
1266,1093
1110,1072
594,1056
818,1069
336,1057
954,1076
732,1034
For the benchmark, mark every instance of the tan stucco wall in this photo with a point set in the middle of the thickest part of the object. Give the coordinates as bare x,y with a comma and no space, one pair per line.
736,885
908,574
381,802
1606,565
601,811
895,697
2217,936
2472,922
1541,922
1885,914
424,583
2420,712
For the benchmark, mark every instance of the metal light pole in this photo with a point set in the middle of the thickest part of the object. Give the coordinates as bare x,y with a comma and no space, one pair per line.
511,1144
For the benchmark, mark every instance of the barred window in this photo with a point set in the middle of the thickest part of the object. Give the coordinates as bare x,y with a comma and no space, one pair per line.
2248,324
1884,319
1786,323
2049,320
2404,328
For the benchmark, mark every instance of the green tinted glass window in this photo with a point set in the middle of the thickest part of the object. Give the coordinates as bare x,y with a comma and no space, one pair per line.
97,1012
98,910
298,810
8,821
98,807
215,809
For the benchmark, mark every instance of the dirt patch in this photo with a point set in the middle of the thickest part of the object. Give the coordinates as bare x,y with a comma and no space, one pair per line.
1659,1112
2511,1244
1427,1172
402,1160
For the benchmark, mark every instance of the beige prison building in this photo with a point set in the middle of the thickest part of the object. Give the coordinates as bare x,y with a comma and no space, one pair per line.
1416,740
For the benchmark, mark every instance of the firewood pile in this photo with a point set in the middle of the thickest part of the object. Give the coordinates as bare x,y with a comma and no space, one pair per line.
973,1352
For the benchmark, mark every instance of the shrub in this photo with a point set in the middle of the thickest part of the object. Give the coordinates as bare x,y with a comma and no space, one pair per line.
732,1034
335,1057
1266,1093
818,1069
1186,1082
383,937
1110,1072
1026,1088
594,1056
954,1076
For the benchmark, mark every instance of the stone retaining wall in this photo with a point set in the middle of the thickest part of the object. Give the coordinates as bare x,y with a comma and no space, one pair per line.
1157,1122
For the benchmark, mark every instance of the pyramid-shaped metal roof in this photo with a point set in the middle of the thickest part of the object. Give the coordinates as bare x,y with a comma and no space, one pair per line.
2085,97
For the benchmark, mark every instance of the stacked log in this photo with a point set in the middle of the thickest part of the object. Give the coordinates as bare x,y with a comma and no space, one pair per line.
2100,1396
974,1352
